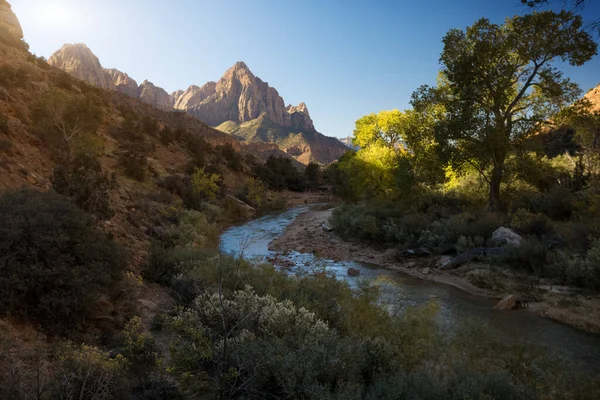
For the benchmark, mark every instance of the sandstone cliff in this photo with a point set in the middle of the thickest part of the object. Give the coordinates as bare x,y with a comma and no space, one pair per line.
245,106
124,83
594,97
248,106
9,21
79,61
155,96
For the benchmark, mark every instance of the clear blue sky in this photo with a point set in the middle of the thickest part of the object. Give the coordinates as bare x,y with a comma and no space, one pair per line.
344,59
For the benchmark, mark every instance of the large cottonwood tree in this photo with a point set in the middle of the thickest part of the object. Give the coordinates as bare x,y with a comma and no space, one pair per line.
498,83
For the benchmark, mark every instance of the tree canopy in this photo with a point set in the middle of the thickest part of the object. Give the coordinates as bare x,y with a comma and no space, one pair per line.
499,83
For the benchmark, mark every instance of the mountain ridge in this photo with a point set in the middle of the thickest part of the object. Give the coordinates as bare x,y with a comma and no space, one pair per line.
238,96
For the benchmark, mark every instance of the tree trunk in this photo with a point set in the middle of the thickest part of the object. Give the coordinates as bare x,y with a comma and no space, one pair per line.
494,201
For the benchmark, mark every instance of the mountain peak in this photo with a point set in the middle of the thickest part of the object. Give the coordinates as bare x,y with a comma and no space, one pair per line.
9,21
78,60
241,65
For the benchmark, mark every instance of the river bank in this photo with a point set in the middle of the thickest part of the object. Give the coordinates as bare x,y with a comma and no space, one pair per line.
306,235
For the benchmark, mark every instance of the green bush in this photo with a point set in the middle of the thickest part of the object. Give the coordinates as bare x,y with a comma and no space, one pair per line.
526,223
81,178
530,256
585,271
55,262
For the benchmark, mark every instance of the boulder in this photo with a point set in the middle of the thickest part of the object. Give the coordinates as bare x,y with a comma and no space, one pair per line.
353,272
504,236
246,210
326,226
509,302
425,271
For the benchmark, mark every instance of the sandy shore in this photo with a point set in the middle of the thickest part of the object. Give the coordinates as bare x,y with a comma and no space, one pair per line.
306,235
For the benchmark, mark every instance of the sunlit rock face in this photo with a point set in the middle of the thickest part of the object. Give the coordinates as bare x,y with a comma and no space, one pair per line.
155,96
124,83
594,97
9,21
79,61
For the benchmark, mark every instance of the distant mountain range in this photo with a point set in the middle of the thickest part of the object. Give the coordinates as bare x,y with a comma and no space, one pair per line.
239,103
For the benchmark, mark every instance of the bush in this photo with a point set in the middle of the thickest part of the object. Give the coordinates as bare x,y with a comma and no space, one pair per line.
233,158
585,271
5,145
530,256
55,263
526,223
279,173
134,161
4,128
82,179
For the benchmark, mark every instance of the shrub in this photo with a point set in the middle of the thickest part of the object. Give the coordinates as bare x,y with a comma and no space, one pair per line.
530,256
55,263
134,161
527,223
5,145
233,158
279,173
205,185
81,178
4,128
60,117
585,271
88,373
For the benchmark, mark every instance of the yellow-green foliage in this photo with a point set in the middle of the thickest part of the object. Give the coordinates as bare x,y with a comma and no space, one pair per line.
204,184
257,192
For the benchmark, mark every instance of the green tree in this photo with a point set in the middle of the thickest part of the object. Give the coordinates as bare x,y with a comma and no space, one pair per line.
573,4
499,83
384,128
62,117
312,173
204,184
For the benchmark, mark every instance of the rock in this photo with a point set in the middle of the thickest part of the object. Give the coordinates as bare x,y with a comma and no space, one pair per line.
425,271
300,117
239,104
246,210
9,21
123,83
504,236
155,96
509,302
79,61
418,252
353,272
326,226
194,95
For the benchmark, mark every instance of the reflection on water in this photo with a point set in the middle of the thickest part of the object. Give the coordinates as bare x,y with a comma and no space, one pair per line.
399,291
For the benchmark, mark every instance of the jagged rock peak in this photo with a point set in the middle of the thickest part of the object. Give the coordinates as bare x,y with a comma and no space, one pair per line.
300,117
194,95
155,96
9,21
123,82
79,61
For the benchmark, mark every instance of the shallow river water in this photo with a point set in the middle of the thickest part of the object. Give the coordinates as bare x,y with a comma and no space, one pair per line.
398,290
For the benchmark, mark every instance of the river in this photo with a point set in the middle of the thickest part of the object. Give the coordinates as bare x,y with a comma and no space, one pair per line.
251,240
